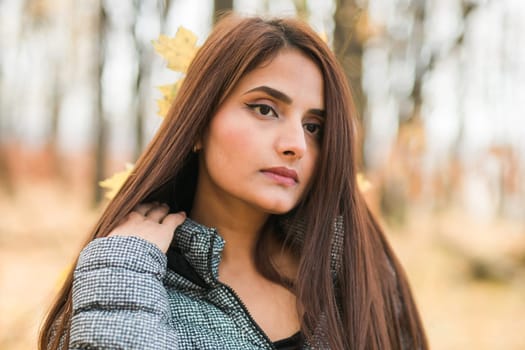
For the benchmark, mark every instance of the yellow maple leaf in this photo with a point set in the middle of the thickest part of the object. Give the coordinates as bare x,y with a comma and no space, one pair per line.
179,50
168,92
323,36
163,106
115,182
62,276
362,182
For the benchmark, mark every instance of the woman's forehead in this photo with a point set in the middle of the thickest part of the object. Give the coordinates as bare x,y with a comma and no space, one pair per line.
291,72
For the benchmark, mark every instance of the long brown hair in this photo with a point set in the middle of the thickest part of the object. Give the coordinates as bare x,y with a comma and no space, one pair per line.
362,301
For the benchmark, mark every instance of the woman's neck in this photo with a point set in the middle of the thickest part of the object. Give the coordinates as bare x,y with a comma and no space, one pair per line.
238,224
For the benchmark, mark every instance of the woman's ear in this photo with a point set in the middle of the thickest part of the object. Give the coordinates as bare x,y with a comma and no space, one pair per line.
197,146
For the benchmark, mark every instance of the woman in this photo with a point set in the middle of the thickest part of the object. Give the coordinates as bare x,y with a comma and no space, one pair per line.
254,169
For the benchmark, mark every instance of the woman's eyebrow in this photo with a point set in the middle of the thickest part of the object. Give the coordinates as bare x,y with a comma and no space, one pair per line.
318,112
272,92
281,96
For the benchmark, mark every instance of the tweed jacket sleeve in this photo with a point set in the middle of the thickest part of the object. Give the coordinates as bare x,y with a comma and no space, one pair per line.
119,300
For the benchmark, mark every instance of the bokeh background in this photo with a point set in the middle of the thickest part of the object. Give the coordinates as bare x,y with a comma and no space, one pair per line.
440,91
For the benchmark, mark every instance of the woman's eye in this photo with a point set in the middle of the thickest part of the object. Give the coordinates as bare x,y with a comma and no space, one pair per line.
313,128
262,109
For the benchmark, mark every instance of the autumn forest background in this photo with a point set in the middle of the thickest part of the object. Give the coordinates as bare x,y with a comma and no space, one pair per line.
440,91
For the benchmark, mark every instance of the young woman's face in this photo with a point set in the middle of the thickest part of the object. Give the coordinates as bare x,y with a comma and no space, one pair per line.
262,145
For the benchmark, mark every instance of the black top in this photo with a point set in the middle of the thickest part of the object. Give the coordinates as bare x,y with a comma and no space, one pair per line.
180,265
293,342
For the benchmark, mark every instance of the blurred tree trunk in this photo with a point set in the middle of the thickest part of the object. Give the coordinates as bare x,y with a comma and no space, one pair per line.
164,10
456,162
55,120
5,176
301,7
139,104
219,7
266,6
422,64
4,171
40,20
349,20
142,73
100,120
144,64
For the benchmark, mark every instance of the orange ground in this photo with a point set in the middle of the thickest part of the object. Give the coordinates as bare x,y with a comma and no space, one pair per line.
43,224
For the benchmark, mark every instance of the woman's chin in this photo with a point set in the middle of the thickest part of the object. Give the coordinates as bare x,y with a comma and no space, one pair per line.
278,208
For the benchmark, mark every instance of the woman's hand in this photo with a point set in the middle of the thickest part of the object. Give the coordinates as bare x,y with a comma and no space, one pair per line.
152,222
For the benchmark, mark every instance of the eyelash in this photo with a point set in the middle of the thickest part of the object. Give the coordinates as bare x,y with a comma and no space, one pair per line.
255,106
319,129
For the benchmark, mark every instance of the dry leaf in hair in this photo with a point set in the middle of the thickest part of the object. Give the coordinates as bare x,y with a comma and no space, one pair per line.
115,182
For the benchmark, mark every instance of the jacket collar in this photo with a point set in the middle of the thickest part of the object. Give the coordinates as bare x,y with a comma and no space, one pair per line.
195,253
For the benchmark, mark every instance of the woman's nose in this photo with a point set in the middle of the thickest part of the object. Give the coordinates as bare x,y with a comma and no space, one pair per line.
292,140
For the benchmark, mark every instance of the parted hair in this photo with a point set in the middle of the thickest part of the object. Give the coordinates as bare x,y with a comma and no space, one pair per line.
366,303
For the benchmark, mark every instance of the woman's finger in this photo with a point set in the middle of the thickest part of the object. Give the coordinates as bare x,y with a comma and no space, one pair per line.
143,208
174,220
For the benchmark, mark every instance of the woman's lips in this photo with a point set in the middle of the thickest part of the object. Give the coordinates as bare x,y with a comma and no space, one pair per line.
282,175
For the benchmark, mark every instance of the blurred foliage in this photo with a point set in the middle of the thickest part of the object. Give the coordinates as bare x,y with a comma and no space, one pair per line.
178,52
113,184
